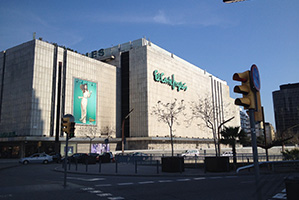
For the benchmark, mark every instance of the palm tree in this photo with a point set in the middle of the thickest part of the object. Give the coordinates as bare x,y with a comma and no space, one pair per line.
231,136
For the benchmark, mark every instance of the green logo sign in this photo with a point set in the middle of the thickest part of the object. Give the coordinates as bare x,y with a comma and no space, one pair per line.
158,77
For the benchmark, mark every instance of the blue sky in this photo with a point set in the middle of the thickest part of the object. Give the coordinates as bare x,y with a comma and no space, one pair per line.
220,38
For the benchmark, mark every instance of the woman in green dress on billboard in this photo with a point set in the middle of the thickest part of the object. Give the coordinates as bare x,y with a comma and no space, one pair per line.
86,95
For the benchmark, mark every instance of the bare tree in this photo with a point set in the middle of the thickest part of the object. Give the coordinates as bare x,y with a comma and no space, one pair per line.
168,113
107,131
211,117
91,136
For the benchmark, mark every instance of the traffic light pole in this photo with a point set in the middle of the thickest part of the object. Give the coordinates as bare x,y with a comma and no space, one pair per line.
65,158
255,155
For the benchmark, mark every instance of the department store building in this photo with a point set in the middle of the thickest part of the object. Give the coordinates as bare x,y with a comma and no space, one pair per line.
40,82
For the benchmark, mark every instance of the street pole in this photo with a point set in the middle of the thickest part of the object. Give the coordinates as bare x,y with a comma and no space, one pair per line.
265,136
65,159
123,132
255,154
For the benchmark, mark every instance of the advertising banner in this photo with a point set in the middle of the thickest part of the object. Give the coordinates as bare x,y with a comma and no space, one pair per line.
85,102
100,148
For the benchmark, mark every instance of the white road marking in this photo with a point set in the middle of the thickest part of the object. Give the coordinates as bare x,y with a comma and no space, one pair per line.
280,196
86,179
146,182
284,190
103,185
115,198
104,195
199,178
87,189
95,191
125,183
185,179
165,181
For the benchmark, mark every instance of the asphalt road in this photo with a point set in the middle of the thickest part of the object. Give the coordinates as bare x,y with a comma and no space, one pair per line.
38,181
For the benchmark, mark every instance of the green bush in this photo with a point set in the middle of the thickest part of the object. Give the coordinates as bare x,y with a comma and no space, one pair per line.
291,155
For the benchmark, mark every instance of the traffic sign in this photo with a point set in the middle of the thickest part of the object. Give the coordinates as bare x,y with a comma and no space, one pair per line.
255,78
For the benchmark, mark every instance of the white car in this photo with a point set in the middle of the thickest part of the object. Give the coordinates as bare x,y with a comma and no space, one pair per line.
37,158
193,152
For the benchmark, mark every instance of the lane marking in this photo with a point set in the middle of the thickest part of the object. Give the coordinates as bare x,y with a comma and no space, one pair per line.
86,179
95,191
165,181
115,198
184,179
146,182
87,189
125,183
104,185
280,196
104,195
199,178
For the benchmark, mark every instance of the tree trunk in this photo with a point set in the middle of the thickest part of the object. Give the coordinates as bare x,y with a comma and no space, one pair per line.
171,141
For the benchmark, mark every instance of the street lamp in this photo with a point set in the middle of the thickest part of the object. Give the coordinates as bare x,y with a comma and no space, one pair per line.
123,132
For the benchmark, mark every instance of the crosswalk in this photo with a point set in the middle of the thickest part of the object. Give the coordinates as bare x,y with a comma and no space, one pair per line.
280,195
109,196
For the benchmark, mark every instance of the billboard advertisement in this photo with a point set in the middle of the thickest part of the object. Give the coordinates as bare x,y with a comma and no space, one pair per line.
85,102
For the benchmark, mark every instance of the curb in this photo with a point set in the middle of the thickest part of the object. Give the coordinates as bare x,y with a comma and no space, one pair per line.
149,175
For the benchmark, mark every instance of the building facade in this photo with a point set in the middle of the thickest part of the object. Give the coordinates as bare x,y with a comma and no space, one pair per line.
286,110
150,74
40,82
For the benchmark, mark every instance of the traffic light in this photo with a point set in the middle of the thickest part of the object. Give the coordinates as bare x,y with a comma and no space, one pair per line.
72,130
258,114
248,100
66,124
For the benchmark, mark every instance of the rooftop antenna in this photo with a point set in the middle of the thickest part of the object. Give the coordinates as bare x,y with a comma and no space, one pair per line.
34,34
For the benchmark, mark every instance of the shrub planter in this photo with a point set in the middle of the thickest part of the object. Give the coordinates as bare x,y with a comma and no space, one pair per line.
173,164
217,164
292,185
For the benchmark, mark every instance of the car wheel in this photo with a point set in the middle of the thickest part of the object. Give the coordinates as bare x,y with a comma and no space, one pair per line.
46,162
25,162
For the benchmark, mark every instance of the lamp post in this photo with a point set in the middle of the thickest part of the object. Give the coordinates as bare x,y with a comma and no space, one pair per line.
123,132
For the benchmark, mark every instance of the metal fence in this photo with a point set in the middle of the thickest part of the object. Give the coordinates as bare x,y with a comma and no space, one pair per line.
151,159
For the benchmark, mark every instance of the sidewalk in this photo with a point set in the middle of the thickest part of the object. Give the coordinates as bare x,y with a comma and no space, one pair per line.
130,169
120,169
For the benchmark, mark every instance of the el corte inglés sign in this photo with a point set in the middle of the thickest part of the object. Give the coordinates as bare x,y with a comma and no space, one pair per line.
159,77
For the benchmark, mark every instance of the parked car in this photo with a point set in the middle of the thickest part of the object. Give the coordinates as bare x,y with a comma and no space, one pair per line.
77,158
96,156
138,156
193,152
56,157
106,157
37,158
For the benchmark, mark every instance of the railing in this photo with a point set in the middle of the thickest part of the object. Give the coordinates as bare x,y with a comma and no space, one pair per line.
151,159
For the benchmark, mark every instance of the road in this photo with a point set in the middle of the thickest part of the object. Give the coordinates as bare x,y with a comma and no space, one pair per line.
41,181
